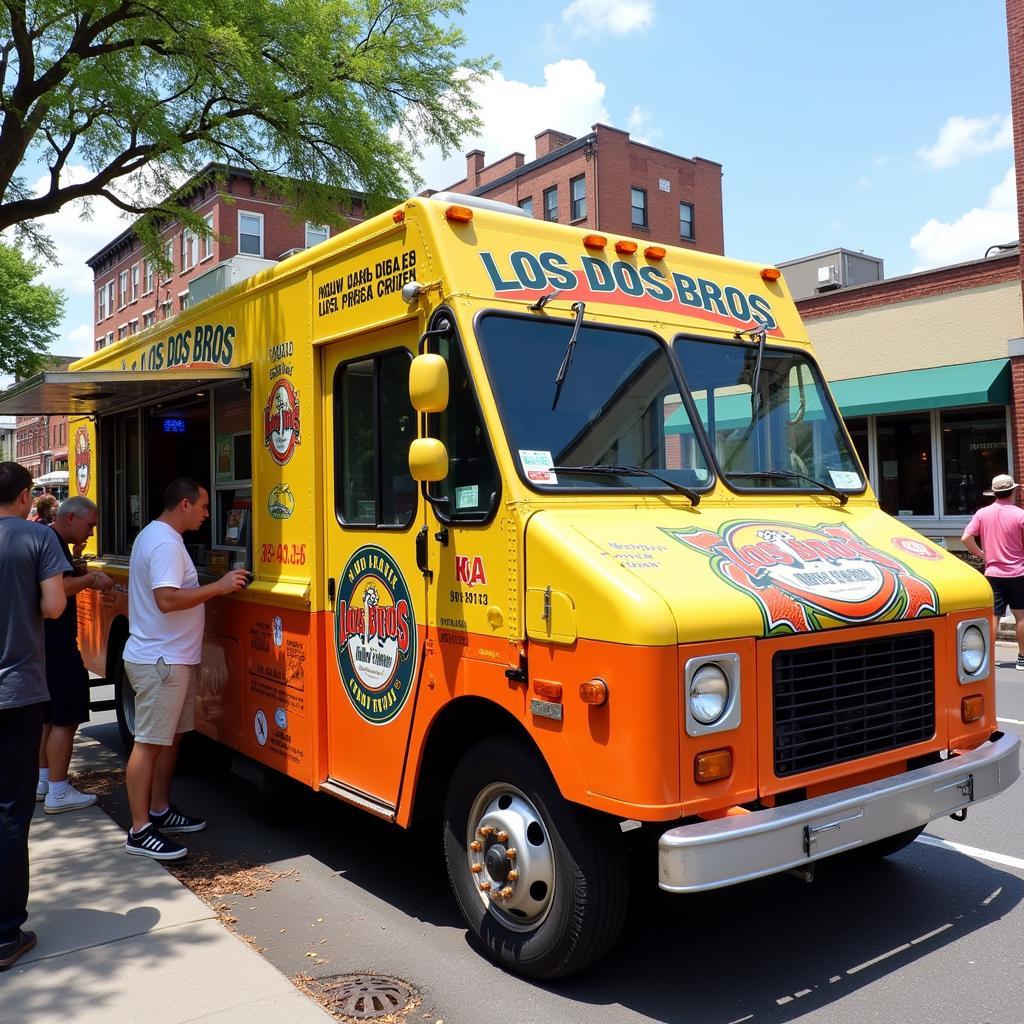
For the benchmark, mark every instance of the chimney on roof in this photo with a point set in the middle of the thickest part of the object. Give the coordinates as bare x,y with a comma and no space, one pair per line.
474,165
549,140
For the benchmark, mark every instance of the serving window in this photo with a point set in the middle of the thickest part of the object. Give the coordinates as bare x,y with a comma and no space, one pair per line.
205,434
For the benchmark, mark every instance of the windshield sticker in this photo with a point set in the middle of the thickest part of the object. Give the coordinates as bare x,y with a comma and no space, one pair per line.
467,497
375,635
847,481
811,578
83,460
527,275
538,467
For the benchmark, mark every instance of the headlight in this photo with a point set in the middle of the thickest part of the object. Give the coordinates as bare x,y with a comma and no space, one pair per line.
709,693
972,650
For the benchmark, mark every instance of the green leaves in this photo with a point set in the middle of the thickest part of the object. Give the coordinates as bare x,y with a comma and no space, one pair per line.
29,314
314,97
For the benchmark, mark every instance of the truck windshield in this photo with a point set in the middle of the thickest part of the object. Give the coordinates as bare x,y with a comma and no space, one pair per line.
619,405
787,437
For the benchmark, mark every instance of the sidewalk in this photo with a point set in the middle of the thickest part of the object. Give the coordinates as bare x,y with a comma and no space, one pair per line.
121,939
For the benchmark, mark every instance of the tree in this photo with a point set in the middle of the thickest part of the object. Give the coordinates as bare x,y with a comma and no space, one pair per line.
313,97
29,314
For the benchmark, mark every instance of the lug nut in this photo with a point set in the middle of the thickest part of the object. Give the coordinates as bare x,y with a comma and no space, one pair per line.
511,853
502,837
506,893
485,886
513,875
476,846
486,831
476,868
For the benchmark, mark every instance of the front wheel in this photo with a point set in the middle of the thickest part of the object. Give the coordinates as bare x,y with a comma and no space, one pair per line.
541,882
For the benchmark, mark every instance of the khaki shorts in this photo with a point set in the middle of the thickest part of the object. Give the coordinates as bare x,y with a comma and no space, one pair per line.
165,700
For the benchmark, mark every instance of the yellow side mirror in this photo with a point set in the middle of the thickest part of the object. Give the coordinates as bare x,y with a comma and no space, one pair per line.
428,383
428,460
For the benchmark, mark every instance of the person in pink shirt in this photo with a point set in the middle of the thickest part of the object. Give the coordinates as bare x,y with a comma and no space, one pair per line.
1000,528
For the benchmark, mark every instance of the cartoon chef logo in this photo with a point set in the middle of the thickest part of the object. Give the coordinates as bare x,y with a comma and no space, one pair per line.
83,460
810,578
375,635
281,502
281,421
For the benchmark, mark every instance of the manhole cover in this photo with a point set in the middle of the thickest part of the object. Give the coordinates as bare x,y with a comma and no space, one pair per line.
362,996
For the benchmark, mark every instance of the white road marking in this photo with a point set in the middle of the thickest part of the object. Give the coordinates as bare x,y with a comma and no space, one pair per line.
988,899
973,851
1010,721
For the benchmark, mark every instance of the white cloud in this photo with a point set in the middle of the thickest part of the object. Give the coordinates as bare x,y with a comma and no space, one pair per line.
602,17
570,100
963,137
640,125
938,244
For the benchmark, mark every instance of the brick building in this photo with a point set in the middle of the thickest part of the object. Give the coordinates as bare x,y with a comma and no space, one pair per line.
606,181
250,226
41,442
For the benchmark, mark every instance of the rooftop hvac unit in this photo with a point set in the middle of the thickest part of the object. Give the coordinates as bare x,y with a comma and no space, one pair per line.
828,278
290,252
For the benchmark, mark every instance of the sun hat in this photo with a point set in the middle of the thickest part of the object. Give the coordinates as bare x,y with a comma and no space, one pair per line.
1002,484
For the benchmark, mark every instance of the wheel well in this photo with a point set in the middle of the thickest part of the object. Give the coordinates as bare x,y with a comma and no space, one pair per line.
116,639
459,726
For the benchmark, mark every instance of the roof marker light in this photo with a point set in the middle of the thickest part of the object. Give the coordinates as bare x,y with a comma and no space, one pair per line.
595,241
459,214
398,216
770,274
625,248
655,252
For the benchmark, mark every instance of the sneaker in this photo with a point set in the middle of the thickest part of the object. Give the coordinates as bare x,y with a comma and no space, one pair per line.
150,843
72,800
42,788
1020,662
173,822
10,951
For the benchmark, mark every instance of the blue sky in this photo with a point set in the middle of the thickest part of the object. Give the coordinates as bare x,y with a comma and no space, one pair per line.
874,126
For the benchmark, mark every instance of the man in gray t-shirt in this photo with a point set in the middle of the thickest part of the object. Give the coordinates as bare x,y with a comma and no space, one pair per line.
33,589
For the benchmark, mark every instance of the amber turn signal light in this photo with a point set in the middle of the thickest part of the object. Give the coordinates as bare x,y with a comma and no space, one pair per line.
712,765
398,216
595,241
771,274
655,252
549,691
625,248
972,708
459,214
594,691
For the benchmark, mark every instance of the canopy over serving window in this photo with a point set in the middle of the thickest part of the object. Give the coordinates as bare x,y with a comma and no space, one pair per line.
92,392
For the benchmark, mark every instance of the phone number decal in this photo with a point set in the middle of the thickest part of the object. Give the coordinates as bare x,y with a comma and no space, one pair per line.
283,554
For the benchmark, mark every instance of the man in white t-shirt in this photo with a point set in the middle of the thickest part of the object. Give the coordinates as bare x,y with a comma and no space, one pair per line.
166,620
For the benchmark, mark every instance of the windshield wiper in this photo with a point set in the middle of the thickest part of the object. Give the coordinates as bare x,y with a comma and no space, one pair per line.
578,308
782,474
630,471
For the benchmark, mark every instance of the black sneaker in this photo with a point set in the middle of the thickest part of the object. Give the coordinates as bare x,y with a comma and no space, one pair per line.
1020,662
172,822
150,843
10,951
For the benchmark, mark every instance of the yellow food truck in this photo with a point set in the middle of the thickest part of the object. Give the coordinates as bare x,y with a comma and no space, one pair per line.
556,535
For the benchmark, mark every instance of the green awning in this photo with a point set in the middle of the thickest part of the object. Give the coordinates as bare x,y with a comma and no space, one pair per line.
938,387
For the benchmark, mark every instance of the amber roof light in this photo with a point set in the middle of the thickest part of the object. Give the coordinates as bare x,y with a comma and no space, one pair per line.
458,214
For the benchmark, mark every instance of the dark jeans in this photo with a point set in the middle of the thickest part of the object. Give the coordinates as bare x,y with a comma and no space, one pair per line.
20,732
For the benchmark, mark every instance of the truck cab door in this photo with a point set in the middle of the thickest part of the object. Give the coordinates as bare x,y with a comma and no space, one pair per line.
375,622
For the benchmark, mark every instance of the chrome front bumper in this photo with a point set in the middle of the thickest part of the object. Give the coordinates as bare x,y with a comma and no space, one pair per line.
713,854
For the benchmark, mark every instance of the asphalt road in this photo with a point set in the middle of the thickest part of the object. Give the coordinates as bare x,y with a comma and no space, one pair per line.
934,934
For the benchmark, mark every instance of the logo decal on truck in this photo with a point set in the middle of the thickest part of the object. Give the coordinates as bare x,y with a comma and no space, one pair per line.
83,460
810,578
281,421
375,635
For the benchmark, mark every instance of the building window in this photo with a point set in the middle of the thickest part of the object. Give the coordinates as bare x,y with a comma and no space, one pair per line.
183,301
122,289
135,283
110,298
147,319
905,464
110,337
101,304
250,233
526,205
122,332
169,257
208,238
686,221
316,233
638,205
551,203
133,326
973,451
578,198
147,277
189,249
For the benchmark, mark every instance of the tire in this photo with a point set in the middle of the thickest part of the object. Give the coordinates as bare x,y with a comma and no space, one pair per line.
124,703
888,846
563,905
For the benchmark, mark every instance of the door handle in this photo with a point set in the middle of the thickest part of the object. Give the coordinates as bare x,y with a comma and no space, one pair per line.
330,591
421,552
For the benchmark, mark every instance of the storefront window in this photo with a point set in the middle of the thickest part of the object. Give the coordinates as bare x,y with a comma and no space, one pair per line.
232,504
858,430
973,451
905,464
